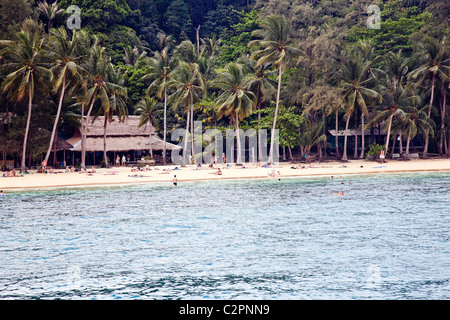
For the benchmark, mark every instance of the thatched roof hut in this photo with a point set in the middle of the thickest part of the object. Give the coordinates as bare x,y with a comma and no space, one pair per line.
120,137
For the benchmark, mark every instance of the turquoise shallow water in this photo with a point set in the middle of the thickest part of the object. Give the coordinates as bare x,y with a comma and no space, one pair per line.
386,238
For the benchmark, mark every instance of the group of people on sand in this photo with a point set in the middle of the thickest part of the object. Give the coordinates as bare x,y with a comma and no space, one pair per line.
13,173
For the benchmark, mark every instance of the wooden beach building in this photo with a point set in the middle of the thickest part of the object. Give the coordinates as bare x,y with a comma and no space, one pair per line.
122,138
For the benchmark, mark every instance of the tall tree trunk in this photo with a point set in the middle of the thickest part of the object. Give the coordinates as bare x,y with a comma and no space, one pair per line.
55,150
55,124
393,146
355,153
427,138
386,148
361,156
83,132
239,147
27,129
336,138
186,138
443,111
400,142
105,157
192,132
324,144
165,126
151,140
408,141
344,156
272,140
83,153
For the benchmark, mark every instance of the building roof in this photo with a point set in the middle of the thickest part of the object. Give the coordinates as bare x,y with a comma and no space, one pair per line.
351,132
120,137
129,127
122,144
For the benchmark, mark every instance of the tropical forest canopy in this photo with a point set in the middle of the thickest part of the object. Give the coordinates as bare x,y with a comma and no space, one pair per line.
303,67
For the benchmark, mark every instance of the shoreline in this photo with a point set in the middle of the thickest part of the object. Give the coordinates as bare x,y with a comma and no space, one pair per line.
117,176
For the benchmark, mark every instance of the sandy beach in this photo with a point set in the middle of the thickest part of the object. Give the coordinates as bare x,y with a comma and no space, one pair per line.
125,175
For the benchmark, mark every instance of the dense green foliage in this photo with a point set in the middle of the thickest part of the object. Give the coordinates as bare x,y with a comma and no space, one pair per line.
305,67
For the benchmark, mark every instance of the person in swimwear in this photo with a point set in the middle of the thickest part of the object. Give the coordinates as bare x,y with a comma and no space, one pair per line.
175,181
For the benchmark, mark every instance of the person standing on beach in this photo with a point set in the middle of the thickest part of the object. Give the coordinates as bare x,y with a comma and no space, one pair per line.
44,166
175,181
118,161
124,160
224,158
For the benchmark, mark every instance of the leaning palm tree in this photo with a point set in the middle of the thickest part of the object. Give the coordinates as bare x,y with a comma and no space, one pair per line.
25,66
68,73
146,109
275,46
354,82
188,88
160,67
434,62
235,101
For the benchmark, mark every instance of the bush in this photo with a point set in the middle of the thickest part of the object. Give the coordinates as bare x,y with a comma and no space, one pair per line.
374,151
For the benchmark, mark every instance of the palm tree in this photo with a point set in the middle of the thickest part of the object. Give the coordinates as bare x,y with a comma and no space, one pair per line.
131,55
50,12
311,135
396,99
25,65
432,56
275,47
353,74
328,100
146,109
261,84
66,69
99,66
235,101
117,103
188,88
160,66
416,121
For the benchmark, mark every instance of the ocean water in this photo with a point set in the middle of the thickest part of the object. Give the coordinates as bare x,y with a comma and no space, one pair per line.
387,237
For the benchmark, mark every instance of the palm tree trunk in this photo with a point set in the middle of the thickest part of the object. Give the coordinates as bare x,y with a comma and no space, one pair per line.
336,137
388,135
186,138
272,140
192,131
238,136
400,140
407,143
355,153
83,152
151,142
27,129
427,138
443,111
361,156
82,129
105,157
344,156
165,126
324,121
58,114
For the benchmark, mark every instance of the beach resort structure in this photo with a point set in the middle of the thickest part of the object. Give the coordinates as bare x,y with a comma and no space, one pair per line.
122,139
